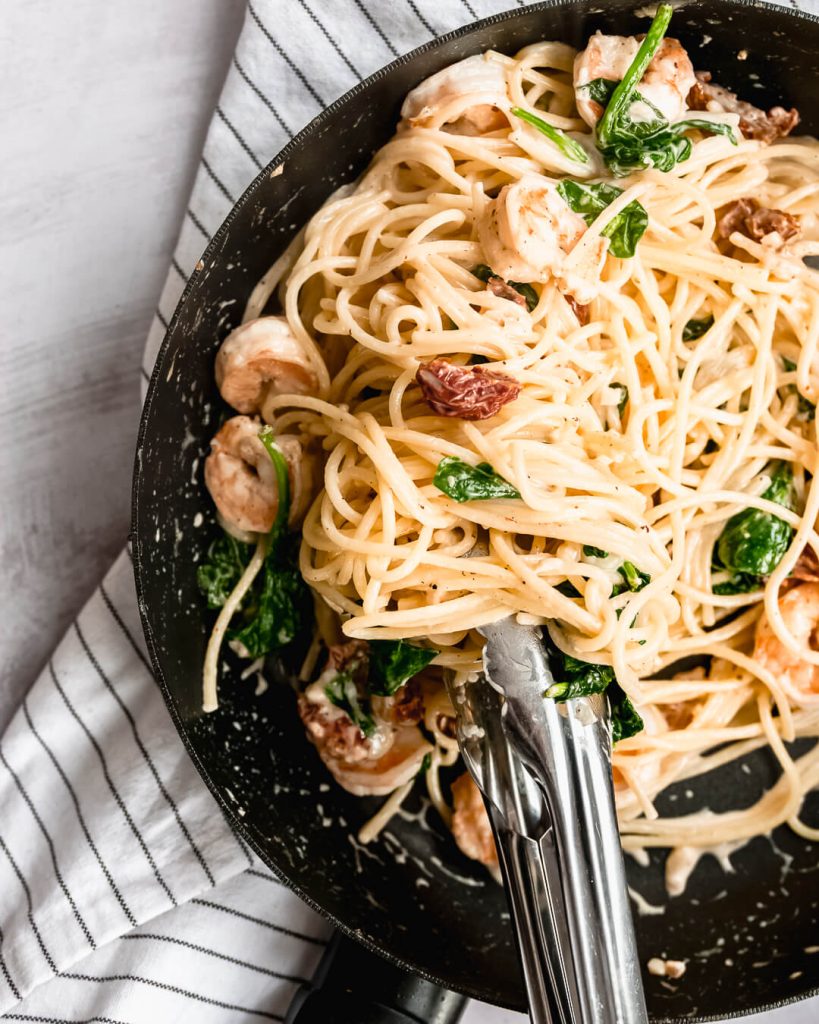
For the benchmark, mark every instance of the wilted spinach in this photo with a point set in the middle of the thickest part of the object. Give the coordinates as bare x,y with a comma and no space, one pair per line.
592,552
589,199
342,691
575,678
277,612
462,482
627,144
623,402
393,663
568,146
633,579
695,329
625,719
222,568
753,542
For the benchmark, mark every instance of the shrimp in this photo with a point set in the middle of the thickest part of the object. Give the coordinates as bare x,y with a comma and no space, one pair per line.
470,822
379,776
528,231
260,358
666,84
393,749
242,479
800,613
468,97
404,707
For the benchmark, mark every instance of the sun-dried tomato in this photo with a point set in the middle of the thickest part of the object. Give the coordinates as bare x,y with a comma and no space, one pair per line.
349,655
579,310
404,707
754,123
470,392
503,290
748,217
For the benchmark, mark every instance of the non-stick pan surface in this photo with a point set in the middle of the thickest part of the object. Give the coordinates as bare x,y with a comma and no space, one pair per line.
749,936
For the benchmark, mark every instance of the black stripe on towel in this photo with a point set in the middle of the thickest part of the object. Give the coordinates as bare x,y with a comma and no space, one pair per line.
333,42
4,968
109,604
378,29
145,755
184,992
114,791
236,135
30,913
103,866
257,920
293,67
215,953
57,873
217,181
258,92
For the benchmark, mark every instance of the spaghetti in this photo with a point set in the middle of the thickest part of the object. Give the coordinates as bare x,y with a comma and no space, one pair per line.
661,396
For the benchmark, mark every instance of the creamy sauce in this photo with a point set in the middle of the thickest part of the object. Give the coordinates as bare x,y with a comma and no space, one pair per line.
644,908
683,860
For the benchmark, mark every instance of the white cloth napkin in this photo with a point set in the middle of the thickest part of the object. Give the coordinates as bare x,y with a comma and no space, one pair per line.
125,897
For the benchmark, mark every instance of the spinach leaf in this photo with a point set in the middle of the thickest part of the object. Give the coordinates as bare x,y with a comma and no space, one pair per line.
600,90
633,579
462,482
589,199
592,679
394,662
625,720
220,572
568,146
695,329
484,273
426,764
739,583
527,291
806,408
658,144
592,552
343,692
753,542
268,439
276,613
575,678
630,145
621,405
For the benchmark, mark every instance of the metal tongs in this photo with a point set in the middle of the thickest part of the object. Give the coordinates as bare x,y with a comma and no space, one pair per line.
545,773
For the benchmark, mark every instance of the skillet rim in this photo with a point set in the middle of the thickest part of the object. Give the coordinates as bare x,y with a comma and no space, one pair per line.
141,569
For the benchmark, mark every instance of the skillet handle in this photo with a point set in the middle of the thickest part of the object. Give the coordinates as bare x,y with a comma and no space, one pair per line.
354,985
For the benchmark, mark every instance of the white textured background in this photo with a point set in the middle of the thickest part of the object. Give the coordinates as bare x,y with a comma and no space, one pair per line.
104,106
103,109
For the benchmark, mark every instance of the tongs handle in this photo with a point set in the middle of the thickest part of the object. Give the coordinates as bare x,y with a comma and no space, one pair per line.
558,838
539,931
528,863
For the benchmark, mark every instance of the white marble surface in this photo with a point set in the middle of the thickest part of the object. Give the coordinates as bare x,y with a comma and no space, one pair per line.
103,108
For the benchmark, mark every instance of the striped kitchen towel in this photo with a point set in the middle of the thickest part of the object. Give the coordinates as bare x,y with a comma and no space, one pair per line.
125,897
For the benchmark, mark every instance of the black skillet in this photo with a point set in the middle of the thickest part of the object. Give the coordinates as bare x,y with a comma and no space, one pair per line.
747,935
